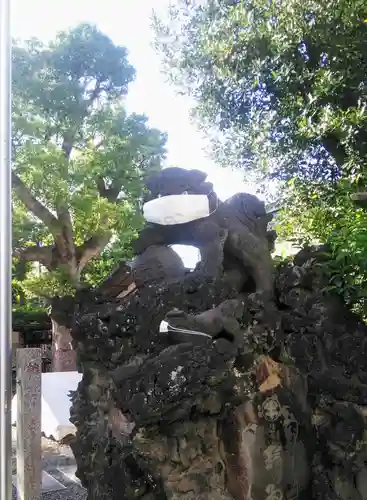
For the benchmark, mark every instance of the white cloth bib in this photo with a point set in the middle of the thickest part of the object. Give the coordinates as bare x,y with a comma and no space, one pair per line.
176,209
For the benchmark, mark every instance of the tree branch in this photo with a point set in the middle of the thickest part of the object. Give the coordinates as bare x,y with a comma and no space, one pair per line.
67,145
335,148
44,255
95,94
360,199
60,228
111,193
91,248
101,187
34,206
66,244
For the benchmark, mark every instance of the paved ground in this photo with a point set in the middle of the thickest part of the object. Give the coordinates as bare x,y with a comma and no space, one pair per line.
58,461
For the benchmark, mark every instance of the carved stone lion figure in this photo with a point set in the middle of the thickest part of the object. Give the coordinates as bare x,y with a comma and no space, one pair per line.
236,228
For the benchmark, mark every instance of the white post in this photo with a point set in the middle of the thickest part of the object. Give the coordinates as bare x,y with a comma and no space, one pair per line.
5,253
29,454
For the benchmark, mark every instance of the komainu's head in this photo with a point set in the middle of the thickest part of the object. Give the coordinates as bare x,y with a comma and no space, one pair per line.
177,181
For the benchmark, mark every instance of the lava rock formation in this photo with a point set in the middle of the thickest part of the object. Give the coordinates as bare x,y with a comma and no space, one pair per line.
257,388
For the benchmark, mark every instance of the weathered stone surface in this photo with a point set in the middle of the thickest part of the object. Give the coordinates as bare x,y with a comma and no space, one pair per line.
237,227
28,419
266,401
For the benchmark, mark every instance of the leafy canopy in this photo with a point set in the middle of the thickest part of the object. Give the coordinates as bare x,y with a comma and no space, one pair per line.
78,158
280,86
283,80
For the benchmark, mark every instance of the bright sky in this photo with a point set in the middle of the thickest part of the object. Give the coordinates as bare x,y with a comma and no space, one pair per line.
128,24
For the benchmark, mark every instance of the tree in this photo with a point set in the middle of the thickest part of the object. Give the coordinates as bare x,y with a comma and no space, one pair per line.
326,214
284,83
78,157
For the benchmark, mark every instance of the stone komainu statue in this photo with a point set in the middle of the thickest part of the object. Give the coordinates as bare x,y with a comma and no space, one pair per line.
236,230
244,395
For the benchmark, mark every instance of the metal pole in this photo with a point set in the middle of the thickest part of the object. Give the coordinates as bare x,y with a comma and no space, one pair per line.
5,254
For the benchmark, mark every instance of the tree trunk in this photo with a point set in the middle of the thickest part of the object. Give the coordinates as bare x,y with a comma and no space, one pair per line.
63,352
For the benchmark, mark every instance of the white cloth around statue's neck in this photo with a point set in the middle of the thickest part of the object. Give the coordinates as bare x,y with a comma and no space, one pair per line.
176,209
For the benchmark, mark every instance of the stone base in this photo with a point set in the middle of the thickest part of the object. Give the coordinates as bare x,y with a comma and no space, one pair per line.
49,483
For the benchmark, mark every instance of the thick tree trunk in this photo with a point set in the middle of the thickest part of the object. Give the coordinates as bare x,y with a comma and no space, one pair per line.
63,352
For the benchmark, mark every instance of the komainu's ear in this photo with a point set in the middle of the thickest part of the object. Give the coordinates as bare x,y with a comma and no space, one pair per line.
160,180
174,175
197,176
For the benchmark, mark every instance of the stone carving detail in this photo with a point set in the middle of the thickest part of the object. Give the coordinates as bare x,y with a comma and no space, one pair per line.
237,227
257,390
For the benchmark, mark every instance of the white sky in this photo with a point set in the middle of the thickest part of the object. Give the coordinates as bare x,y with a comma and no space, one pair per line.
128,23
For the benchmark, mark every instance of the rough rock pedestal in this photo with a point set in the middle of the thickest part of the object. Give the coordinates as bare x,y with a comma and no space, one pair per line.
252,393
